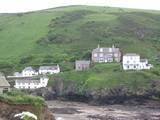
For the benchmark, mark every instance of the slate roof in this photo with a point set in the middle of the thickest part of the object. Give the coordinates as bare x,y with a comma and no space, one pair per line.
48,67
106,50
3,81
131,54
83,62
28,80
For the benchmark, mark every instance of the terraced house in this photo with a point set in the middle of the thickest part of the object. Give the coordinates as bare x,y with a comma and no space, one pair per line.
102,54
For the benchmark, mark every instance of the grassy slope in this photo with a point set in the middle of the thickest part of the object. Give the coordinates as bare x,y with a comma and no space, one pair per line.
62,35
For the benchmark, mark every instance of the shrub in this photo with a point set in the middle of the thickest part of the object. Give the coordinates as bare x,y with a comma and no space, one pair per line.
26,59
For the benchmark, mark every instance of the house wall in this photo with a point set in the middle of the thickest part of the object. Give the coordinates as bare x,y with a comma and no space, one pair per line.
1,90
4,88
81,67
43,83
134,63
106,57
29,73
131,62
49,71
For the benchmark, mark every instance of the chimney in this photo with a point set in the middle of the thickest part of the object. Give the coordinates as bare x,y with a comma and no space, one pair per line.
98,46
113,46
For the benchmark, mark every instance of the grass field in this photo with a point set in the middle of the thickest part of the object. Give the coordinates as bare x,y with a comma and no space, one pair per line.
102,78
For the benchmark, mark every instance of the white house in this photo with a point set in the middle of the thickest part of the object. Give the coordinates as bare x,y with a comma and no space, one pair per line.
49,69
29,71
132,61
31,82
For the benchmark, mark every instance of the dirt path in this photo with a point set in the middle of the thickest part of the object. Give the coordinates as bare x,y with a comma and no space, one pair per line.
82,111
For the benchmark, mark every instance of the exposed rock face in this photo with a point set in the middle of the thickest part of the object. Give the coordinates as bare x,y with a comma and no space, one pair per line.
7,111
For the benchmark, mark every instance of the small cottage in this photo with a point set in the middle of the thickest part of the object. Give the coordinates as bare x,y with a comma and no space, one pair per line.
81,65
49,69
4,85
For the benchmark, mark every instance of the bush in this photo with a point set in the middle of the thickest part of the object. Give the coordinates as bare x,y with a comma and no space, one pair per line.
26,59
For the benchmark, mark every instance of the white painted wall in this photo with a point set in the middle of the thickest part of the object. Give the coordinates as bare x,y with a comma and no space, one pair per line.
29,73
31,85
47,71
134,63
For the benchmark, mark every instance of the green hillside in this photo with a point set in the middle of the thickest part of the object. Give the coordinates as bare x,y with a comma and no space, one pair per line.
62,35
69,33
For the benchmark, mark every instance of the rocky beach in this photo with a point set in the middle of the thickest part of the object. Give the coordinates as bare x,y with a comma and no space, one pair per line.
66,110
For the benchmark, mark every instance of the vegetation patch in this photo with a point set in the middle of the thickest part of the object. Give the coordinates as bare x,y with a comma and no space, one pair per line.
17,97
69,18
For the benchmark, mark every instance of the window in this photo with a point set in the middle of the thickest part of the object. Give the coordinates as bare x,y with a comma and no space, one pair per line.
95,55
101,60
101,54
101,49
5,90
116,55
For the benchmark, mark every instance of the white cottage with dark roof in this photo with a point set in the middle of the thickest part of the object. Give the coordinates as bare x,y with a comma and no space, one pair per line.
132,61
102,54
30,82
49,69
4,85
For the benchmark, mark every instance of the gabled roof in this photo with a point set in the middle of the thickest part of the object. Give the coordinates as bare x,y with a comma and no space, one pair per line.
28,69
3,81
49,67
83,62
106,50
29,79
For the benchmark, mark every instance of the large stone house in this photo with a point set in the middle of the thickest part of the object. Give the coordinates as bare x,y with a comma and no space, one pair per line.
49,69
81,65
102,54
132,61
4,85
30,82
